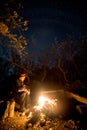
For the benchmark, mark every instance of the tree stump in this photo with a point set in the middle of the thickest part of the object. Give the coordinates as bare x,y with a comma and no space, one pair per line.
9,110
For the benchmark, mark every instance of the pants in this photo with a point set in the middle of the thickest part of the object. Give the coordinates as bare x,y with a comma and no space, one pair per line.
23,100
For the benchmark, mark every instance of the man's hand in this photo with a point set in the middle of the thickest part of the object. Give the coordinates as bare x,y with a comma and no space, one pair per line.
27,91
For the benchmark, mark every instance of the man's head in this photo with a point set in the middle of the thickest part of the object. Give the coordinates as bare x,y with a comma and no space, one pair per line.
22,76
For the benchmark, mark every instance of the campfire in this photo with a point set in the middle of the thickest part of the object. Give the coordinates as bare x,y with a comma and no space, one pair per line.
45,103
45,107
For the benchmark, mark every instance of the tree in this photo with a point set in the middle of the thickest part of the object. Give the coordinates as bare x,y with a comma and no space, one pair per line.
65,52
12,39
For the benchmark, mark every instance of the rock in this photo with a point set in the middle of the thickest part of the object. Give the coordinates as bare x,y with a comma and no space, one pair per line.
48,122
42,122
70,124
50,129
29,125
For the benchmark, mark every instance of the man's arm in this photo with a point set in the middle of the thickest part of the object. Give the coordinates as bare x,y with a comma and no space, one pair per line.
24,90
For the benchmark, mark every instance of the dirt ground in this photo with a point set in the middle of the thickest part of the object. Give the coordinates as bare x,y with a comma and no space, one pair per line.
49,119
19,122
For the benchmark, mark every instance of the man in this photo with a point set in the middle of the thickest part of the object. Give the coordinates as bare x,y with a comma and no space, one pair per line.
23,92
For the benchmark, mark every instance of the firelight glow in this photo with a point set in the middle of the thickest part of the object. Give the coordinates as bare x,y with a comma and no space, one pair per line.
42,100
45,103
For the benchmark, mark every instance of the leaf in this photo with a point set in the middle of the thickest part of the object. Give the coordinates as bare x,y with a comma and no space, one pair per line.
15,14
25,23
4,29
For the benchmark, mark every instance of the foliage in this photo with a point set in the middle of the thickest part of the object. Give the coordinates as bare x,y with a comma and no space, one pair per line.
12,38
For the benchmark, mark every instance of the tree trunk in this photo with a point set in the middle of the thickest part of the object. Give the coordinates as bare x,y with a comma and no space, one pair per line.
59,65
44,73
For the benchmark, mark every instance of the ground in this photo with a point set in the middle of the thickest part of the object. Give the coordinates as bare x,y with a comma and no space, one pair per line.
50,117
19,122
14,123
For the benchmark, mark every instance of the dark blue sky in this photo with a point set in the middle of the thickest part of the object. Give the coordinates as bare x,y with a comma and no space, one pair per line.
54,18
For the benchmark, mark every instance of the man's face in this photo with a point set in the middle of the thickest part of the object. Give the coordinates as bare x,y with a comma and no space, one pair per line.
22,77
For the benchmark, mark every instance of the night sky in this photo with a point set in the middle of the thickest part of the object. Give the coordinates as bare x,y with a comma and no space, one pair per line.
50,19
54,18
